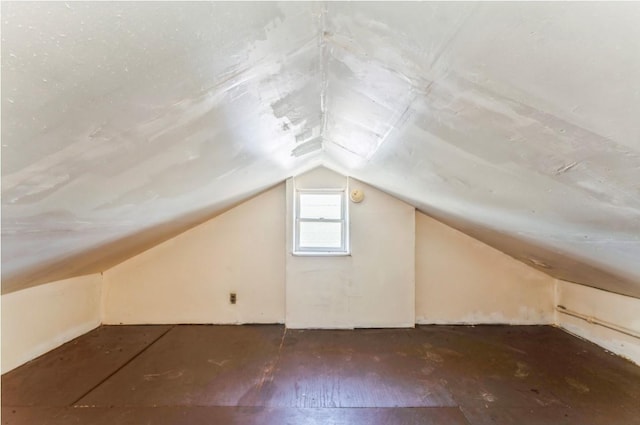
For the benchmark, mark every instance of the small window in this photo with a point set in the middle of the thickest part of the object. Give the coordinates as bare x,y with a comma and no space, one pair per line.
321,222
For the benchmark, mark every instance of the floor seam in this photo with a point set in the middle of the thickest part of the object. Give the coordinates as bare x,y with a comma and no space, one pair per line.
121,367
270,370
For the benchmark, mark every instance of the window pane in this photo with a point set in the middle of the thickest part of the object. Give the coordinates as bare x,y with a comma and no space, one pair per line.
320,235
321,205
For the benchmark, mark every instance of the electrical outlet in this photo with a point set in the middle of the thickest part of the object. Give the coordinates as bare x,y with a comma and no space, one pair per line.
232,297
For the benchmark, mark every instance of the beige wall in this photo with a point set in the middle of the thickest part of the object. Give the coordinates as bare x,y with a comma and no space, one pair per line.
462,280
372,287
188,279
613,310
38,319
404,268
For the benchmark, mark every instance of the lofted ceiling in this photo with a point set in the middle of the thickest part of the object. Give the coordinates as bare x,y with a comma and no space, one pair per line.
517,123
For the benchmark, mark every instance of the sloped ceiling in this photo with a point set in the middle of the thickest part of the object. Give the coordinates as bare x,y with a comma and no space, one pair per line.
123,123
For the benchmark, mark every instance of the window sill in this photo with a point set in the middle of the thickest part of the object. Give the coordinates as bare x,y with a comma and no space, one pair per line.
320,254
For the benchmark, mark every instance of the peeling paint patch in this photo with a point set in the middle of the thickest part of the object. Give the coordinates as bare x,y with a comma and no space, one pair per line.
170,374
539,263
307,147
577,385
434,357
566,168
522,370
488,397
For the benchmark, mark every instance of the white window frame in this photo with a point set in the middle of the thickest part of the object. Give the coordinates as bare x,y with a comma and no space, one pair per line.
344,221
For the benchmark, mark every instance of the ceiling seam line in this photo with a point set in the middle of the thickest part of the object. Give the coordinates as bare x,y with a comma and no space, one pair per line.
324,78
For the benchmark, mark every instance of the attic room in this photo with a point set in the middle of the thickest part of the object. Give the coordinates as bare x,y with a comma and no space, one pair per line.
320,213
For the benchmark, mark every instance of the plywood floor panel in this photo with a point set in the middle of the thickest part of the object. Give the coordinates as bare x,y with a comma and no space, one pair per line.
264,374
194,366
64,375
343,368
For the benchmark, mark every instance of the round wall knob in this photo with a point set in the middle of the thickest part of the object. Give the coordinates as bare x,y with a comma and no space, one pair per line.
356,195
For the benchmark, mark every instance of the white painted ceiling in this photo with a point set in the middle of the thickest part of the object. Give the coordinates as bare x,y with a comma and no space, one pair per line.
518,123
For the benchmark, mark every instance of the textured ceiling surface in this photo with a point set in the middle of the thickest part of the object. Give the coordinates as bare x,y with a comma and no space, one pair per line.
514,122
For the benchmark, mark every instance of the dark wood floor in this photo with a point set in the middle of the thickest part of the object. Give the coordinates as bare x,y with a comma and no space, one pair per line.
269,375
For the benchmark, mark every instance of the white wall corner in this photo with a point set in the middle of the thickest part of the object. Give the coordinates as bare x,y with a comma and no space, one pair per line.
604,318
555,302
104,294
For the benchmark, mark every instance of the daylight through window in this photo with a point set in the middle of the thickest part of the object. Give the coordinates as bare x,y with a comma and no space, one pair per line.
320,222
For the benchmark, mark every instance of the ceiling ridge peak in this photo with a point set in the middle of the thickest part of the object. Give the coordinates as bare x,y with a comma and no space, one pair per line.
324,71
